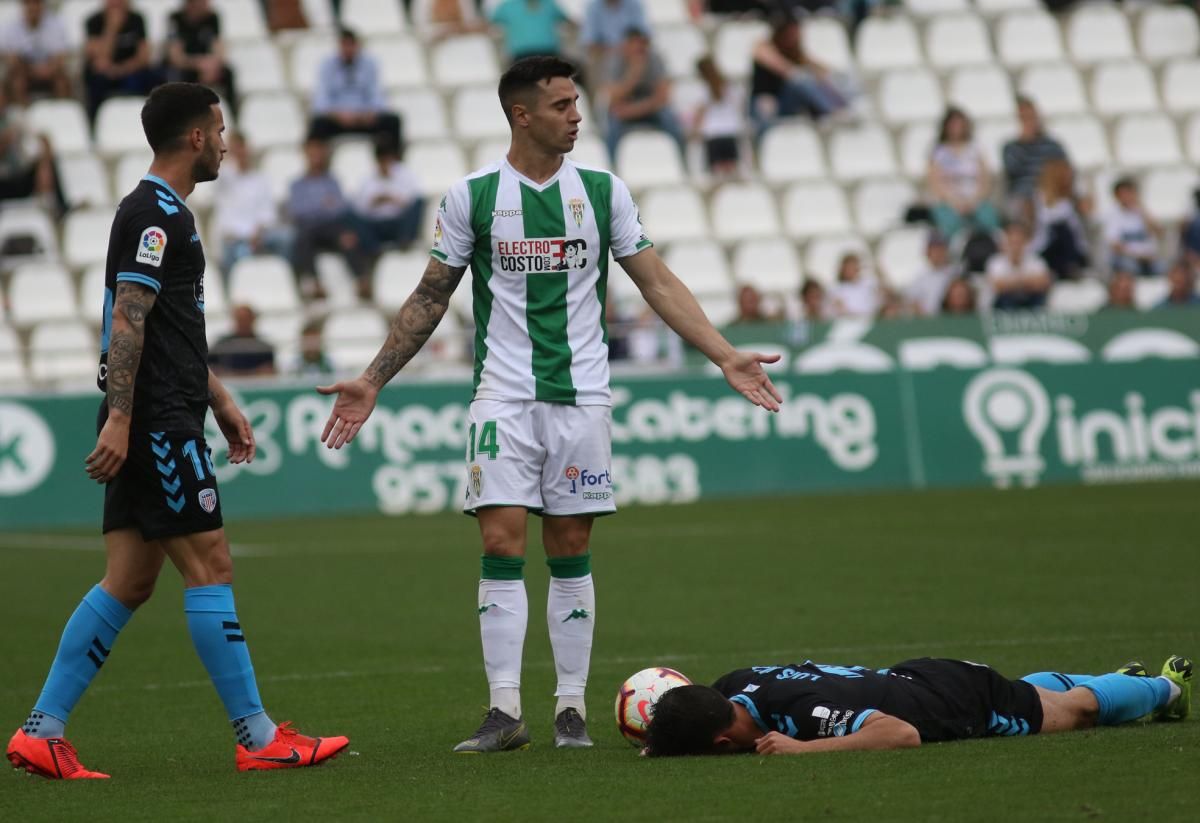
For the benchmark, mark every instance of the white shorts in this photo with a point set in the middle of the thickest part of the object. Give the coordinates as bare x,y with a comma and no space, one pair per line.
547,457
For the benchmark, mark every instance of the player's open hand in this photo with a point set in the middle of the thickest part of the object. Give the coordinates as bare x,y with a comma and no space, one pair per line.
355,402
777,743
745,374
239,435
112,446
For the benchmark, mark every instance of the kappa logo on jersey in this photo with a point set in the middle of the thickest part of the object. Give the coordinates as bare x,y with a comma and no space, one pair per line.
151,248
549,254
594,486
208,500
576,206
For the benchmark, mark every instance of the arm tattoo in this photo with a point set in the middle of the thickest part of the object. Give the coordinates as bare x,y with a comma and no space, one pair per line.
133,302
415,321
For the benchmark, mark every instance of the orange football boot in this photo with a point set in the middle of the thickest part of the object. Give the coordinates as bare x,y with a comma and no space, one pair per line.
290,750
51,757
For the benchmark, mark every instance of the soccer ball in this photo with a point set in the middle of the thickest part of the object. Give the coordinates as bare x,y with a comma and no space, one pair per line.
636,699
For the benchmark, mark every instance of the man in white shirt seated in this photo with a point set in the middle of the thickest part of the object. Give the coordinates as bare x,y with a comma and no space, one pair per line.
247,220
928,289
1017,276
1130,234
389,203
34,46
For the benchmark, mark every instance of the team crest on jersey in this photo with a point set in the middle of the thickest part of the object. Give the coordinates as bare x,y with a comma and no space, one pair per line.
437,231
151,247
576,206
477,480
542,254
208,500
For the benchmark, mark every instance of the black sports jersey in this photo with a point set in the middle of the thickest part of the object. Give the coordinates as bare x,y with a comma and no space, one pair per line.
154,242
943,699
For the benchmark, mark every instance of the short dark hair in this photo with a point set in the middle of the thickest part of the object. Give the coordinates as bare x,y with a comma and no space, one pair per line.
174,109
686,720
524,76
1123,183
347,33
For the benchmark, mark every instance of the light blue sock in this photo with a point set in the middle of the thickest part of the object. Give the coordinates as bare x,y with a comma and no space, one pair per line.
1055,682
218,638
1123,698
86,642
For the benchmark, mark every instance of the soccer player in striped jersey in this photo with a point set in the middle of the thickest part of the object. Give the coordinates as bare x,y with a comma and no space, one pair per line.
537,230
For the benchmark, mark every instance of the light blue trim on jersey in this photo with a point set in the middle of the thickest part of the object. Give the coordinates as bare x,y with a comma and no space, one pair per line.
857,722
748,704
154,178
134,277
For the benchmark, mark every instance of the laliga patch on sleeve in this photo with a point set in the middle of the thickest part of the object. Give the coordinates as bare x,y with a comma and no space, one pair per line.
151,247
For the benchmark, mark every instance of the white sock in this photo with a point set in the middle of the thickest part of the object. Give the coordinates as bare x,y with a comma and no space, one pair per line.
503,614
1175,691
570,615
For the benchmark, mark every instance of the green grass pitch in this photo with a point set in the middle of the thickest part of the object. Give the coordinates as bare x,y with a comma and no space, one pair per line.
367,626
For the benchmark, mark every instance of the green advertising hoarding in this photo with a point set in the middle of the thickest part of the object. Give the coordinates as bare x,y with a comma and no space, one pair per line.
674,440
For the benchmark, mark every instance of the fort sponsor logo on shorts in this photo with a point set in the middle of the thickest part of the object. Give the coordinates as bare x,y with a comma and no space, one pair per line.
151,247
208,500
588,484
542,254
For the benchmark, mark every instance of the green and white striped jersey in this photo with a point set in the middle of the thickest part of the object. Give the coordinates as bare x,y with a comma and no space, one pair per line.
539,274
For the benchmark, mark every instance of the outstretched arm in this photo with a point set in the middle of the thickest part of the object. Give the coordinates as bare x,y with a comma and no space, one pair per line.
410,328
672,301
879,731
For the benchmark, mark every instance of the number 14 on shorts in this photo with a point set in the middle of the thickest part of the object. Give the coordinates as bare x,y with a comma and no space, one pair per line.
488,442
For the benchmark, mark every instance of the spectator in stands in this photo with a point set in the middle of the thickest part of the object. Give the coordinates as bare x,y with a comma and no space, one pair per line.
25,174
348,97
530,27
1018,277
605,25
721,120
813,300
928,288
312,362
242,353
195,53
1024,157
1181,281
639,93
439,19
116,55
1131,235
959,299
1121,286
959,180
389,204
855,294
1059,235
34,46
324,222
1190,239
750,307
786,81
247,221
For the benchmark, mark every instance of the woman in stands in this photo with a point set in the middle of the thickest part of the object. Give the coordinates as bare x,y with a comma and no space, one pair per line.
959,180
786,81
1059,235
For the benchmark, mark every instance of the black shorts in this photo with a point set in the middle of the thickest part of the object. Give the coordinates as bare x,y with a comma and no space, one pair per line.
955,699
721,150
166,487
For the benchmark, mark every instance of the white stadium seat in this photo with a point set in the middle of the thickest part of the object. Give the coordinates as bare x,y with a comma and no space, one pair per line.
1167,193
397,274
588,151
490,151
666,12
155,15
811,209
32,222
1123,88
734,43
910,95
466,60
865,151
1192,136
995,7
1165,32
1080,297
422,112
916,146
958,40
991,135
880,204
1147,140
130,169
680,47
119,125
674,213
886,43
649,158
823,255
1181,85
741,210
274,119
1149,292
1023,38
39,292
85,236
63,122
401,61
1084,139
352,162
74,14
318,13
352,337
242,19
373,17
265,283
478,115
282,165
258,66
438,166
1055,87
769,264
12,364
791,150
826,42
63,351
1098,33
901,255
84,180
307,54
982,91
702,267
91,294
933,8
282,331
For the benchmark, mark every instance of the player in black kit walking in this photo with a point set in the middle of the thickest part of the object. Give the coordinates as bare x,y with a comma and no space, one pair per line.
160,498
813,707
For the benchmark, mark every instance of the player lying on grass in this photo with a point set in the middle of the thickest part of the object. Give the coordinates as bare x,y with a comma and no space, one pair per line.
814,707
